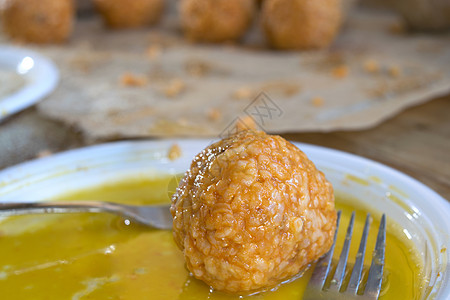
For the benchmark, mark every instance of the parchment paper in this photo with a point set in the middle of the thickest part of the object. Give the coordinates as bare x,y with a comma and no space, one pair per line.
152,82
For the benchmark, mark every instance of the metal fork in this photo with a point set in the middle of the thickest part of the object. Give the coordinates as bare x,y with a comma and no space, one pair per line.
317,287
156,216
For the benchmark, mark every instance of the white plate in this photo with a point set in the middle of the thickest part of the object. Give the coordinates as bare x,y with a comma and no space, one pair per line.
424,215
40,77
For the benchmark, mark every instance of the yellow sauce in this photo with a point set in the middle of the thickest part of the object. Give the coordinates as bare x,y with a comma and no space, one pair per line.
98,256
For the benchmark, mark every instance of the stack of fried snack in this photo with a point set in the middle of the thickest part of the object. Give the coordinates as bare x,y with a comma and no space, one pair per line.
287,24
51,21
294,24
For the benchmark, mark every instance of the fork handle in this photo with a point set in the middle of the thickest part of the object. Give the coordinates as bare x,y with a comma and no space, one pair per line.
22,208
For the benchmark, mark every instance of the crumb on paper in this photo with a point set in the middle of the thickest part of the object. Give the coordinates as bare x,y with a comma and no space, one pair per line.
394,71
340,72
133,80
317,101
174,88
371,66
174,152
214,114
153,51
44,153
244,92
397,28
197,68
245,123
82,64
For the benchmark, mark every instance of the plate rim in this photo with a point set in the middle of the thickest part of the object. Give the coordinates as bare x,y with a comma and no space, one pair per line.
32,92
19,172
305,147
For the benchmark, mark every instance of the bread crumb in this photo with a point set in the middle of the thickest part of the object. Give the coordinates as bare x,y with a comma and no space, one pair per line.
371,66
197,68
82,64
317,101
174,152
340,72
153,52
129,79
214,114
243,93
397,28
44,153
394,71
174,88
246,123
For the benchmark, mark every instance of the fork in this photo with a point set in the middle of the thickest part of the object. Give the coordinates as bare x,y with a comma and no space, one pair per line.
156,216
317,286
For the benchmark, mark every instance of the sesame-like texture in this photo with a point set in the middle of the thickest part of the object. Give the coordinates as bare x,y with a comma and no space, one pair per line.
130,14
43,21
251,212
301,24
215,20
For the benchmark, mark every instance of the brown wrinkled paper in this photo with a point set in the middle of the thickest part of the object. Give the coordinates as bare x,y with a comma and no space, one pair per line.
147,83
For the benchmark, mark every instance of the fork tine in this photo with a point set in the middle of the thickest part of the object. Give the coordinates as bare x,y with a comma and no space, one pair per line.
323,265
375,277
355,278
339,274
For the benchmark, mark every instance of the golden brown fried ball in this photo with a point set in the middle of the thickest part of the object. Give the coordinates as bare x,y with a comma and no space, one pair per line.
43,21
300,24
215,20
130,14
251,212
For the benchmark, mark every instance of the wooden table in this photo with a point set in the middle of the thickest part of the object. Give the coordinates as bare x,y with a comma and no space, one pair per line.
416,142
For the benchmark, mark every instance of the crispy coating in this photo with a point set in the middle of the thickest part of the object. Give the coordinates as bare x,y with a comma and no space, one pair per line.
43,21
251,212
130,14
215,20
300,24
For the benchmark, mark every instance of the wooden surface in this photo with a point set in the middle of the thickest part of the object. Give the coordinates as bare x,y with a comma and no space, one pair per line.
416,142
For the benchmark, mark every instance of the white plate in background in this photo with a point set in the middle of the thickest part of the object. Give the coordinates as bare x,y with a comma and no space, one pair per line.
422,213
38,75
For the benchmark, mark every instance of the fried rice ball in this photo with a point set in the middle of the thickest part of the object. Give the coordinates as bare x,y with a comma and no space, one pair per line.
215,21
130,14
44,21
300,24
252,211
